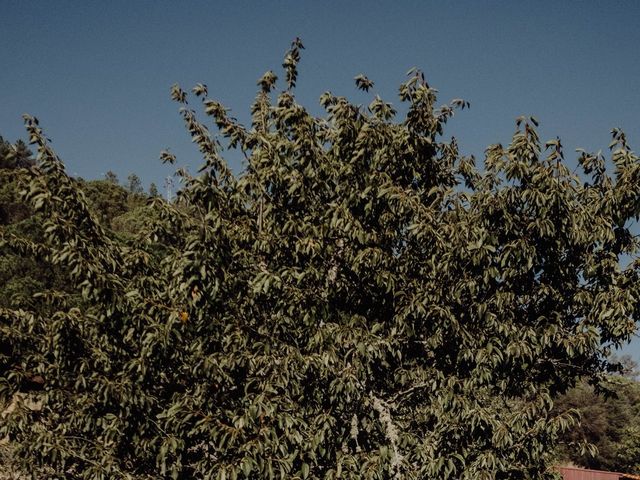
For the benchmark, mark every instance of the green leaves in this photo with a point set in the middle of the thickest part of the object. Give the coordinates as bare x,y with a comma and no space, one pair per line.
363,83
178,95
268,81
290,63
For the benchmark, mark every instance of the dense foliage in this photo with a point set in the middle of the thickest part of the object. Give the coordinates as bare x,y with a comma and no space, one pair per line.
361,302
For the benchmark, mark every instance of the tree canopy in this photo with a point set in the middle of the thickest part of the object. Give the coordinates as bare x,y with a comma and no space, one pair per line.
360,302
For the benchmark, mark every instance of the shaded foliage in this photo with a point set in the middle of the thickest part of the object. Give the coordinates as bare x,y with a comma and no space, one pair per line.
22,277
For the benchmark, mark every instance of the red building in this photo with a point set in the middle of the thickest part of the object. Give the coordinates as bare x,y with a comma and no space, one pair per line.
574,473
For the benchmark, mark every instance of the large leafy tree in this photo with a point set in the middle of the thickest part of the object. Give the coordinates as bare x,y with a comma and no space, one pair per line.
360,302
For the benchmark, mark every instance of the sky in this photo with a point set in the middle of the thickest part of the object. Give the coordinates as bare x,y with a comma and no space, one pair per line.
97,74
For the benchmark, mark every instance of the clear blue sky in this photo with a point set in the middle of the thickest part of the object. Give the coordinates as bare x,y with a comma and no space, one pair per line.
97,73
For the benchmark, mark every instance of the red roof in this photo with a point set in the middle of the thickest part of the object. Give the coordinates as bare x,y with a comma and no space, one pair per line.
575,473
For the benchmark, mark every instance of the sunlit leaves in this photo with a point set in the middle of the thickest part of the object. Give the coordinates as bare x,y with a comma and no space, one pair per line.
167,157
199,90
178,95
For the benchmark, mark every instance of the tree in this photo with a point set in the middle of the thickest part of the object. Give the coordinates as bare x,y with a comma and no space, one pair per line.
628,367
106,199
361,302
14,156
134,184
153,190
111,177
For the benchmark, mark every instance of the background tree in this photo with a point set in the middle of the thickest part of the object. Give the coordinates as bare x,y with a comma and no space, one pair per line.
134,184
111,177
15,155
609,421
153,190
361,302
